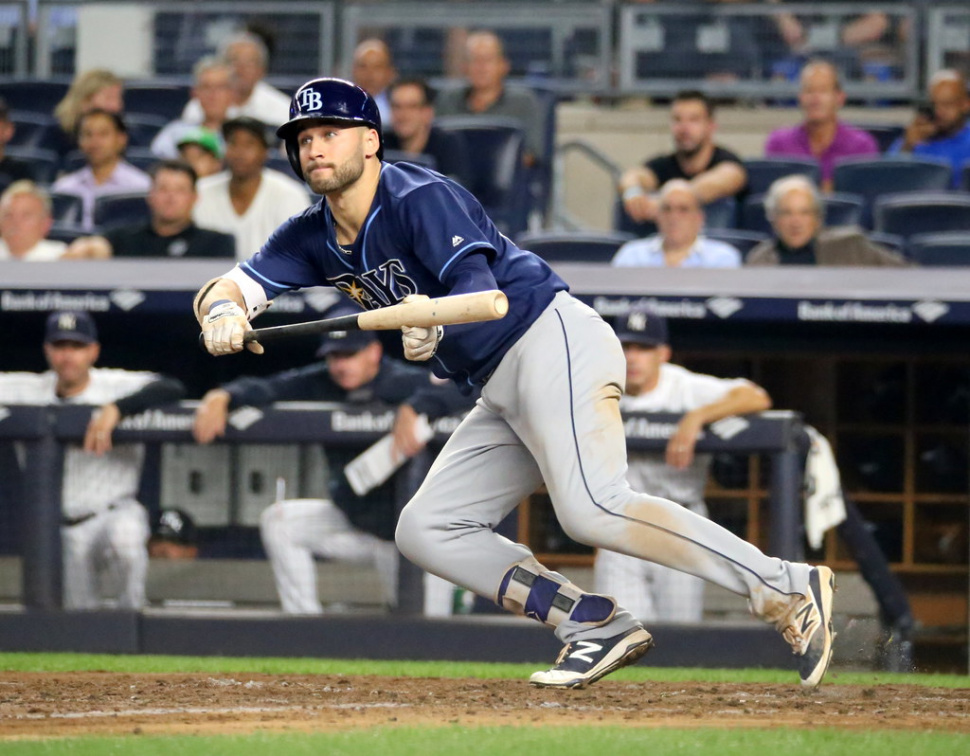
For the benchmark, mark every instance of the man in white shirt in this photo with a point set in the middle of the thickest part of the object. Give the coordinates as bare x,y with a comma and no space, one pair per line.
248,200
214,93
650,591
678,243
25,221
252,96
104,529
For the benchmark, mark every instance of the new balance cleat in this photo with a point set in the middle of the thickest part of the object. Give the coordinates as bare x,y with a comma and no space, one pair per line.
808,627
582,663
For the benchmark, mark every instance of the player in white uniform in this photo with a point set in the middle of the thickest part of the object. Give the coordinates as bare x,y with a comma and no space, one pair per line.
650,591
104,528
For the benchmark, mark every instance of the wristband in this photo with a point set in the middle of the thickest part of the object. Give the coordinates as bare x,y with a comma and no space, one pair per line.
219,302
633,191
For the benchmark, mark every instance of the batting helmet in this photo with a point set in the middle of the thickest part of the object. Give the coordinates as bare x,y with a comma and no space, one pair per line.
332,101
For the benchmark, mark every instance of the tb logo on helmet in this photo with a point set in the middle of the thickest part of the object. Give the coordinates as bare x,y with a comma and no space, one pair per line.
310,100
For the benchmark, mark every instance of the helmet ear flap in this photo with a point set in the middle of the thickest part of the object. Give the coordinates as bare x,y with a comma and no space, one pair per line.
293,153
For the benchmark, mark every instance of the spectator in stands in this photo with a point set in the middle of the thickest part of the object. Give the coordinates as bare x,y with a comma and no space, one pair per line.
11,169
344,525
821,135
174,536
104,528
248,200
488,93
102,137
96,89
213,91
679,243
945,134
373,71
650,591
713,171
203,150
25,221
169,233
412,129
248,57
794,207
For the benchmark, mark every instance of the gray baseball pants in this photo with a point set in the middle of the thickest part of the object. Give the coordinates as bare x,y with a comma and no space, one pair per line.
550,413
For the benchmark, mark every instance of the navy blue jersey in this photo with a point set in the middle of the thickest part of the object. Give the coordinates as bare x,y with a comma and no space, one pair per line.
420,226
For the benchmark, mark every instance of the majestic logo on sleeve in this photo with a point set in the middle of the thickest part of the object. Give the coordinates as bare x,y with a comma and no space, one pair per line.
384,285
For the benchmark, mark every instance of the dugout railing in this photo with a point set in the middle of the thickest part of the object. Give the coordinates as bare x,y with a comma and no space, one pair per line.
45,430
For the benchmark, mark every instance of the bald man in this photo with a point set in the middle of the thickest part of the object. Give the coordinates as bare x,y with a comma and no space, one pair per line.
821,135
373,71
945,134
679,243
486,93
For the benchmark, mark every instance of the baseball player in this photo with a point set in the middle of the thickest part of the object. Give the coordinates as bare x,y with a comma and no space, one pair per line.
647,590
347,526
104,529
551,371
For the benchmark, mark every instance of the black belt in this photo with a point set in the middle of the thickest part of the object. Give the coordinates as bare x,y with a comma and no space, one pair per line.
70,522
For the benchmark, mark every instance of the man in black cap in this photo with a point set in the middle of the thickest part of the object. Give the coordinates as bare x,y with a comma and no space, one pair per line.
248,199
650,591
356,521
174,536
103,527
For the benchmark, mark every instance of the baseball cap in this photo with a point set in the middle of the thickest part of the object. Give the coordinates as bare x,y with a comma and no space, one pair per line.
203,138
642,326
252,125
348,342
175,525
70,326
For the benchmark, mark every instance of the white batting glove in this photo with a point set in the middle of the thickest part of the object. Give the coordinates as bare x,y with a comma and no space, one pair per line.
223,329
420,344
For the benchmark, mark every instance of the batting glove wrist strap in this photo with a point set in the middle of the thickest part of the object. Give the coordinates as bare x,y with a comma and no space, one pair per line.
224,327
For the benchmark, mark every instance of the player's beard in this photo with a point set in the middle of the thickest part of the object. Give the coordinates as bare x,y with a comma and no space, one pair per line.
343,176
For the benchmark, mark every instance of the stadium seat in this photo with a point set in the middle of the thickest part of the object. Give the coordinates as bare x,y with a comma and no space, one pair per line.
165,101
840,209
33,95
892,242
574,246
951,248
884,134
31,129
400,156
142,128
721,213
43,163
910,213
66,208
66,232
762,172
965,177
495,147
871,177
112,210
743,241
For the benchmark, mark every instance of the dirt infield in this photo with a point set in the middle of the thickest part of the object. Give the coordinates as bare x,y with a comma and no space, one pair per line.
36,705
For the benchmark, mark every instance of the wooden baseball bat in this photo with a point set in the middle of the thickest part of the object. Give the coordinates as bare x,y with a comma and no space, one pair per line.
475,307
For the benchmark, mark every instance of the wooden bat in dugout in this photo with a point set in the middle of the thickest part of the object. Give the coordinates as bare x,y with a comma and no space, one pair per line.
474,307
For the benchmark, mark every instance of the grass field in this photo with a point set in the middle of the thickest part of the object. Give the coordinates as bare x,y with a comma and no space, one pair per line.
526,736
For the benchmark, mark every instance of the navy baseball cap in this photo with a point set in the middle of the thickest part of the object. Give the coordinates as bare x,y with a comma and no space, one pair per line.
642,326
70,326
175,525
347,342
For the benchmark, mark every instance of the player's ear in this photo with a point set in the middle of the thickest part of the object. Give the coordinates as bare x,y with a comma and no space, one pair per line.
665,352
372,143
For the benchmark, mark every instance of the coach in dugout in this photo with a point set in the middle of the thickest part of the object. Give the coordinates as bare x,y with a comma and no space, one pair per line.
346,525
104,529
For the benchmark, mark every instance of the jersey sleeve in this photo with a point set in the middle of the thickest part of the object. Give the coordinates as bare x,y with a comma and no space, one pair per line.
442,227
702,390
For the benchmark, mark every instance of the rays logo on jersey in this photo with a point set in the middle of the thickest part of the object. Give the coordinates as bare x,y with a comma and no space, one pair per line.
386,284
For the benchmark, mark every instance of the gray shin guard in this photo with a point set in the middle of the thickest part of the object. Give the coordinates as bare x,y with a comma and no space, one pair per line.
529,588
